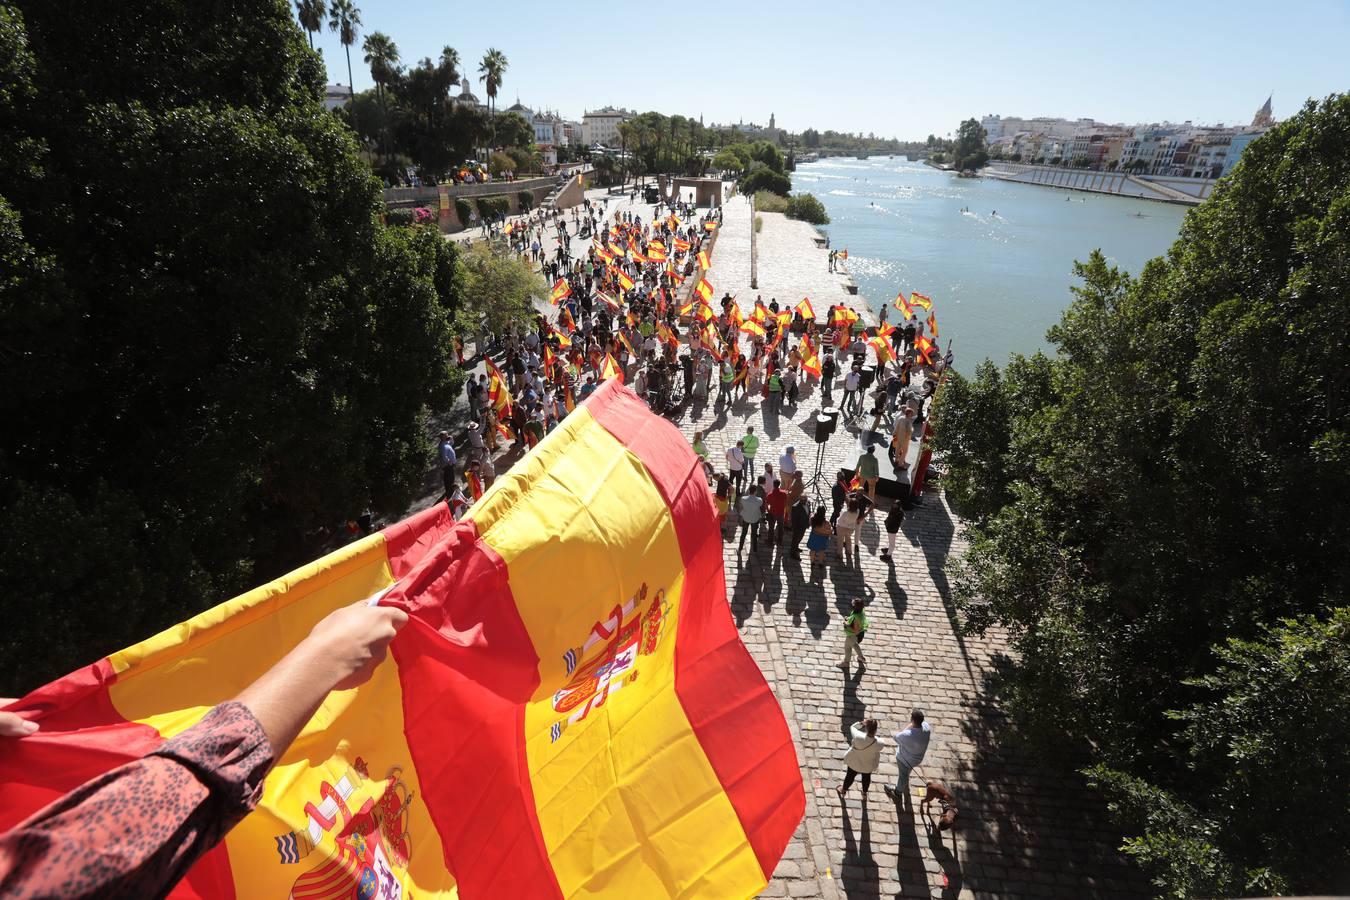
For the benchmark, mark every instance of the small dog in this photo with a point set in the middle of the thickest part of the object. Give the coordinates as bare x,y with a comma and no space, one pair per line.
935,791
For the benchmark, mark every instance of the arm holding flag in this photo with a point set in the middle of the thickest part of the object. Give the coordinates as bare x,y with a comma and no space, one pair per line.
164,811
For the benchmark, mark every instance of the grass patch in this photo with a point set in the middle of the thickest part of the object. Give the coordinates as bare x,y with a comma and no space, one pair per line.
768,201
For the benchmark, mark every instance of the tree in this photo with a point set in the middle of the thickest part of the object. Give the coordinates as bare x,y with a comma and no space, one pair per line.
226,357
727,161
811,139
310,13
382,57
491,71
513,131
807,208
498,291
762,178
969,151
345,19
1176,484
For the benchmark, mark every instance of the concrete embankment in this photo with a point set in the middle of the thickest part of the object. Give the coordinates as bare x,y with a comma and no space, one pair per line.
1186,191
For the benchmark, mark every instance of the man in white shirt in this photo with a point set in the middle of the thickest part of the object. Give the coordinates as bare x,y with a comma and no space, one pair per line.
736,465
787,468
852,397
910,747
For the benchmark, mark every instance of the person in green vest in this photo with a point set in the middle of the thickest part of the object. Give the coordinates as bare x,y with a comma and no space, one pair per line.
855,627
728,377
775,392
702,452
750,446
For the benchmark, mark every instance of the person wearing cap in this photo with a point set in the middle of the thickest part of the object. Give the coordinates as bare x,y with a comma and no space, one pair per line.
476,445
911,745
445,453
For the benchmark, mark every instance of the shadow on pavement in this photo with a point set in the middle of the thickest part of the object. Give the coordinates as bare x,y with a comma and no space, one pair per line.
859,869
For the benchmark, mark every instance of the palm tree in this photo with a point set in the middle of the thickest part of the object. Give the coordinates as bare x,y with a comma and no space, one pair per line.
345,19
310,14
382,57
490,71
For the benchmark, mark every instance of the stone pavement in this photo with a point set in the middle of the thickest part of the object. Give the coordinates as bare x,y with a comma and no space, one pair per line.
790,265
1029,828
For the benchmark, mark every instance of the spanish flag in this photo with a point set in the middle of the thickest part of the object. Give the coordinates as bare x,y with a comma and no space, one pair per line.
675,277
704,289
920,300
609,300
566,322
924,346
604,254
784,320
510,227
681,246
656,254
623,339
610,369
638,257
882,348
703,260
734,314
752,328
903,305
615,249
805,308
624,280
710,226
885,329
810,359
705,313
655,245
498,393
526,737
561,291
569,399
932,324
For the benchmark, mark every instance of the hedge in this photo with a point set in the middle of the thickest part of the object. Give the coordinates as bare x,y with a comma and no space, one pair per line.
463,210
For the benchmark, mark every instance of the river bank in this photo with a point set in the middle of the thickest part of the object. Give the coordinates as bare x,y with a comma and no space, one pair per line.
1182,191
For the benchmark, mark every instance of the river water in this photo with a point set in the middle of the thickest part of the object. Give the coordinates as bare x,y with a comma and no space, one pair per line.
998,274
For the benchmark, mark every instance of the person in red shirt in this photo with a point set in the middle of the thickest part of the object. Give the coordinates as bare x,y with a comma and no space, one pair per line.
775,506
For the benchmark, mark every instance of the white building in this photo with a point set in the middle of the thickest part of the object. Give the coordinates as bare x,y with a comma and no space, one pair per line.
336,95
601,126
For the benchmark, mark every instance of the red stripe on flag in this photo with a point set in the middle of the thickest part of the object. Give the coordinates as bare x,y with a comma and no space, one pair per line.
467,668
748,743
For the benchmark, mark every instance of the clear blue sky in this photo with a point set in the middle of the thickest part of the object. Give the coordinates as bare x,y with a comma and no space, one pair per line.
894,68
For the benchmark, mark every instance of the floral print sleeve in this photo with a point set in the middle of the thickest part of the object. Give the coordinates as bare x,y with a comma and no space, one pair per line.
134,831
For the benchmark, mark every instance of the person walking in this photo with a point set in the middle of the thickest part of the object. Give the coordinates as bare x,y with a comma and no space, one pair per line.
852,394
894,517
855,629
910,747
863,757
736,465
751,511
868,472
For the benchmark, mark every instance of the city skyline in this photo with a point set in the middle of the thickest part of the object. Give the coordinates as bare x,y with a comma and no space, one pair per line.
913,72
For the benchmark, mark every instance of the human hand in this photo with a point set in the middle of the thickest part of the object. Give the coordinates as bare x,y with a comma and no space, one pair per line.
350,642
12,725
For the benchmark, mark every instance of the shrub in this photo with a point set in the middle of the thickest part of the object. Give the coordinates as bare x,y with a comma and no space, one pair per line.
422,215
768,201
491,207
526,200
500,163
463,210
399,217
762,178
807,208
759,224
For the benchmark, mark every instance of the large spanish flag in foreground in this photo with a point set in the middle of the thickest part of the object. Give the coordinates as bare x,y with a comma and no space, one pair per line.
569,711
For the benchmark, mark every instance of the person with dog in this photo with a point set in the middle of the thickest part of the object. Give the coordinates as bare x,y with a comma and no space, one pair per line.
863,757
935,790
910,746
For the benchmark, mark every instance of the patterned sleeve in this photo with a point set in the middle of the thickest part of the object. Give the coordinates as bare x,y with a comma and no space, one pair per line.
136,830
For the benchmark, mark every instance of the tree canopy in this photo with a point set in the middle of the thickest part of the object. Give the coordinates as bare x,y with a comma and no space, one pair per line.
969,150
1159,516
211,348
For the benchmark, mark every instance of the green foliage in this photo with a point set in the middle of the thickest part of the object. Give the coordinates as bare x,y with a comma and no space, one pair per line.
500,164
762,178
1178,479
728,160
214,349
514,131
807,208
759,224
399,217
463,211
525,200
768,201
492,207
498,291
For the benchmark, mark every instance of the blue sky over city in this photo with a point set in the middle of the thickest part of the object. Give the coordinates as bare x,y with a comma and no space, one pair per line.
896,69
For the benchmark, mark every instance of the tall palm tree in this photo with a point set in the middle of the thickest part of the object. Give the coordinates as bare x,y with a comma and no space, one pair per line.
310,14
382,57
491,71
345,19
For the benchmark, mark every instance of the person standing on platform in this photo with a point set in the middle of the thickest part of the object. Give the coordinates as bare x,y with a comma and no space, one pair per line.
901,435
910,747
869,472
